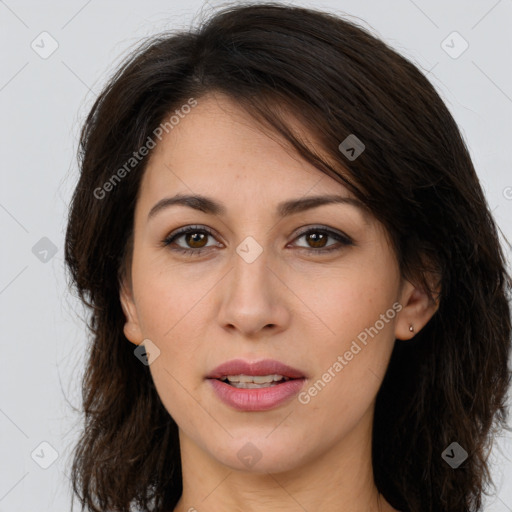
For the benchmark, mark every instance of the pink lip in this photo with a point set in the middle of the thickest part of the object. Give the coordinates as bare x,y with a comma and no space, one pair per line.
260,399
264,367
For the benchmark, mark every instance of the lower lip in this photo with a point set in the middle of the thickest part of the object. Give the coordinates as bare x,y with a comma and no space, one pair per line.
259,399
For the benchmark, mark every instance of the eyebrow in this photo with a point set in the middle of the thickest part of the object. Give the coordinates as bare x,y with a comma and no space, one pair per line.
284,209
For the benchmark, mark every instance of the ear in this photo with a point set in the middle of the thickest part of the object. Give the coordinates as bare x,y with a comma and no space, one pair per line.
417,310
132,329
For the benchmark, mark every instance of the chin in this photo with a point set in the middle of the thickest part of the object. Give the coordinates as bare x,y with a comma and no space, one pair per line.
260,455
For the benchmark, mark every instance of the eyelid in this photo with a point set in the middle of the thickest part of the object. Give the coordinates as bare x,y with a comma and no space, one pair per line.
341,237
331,231
185,230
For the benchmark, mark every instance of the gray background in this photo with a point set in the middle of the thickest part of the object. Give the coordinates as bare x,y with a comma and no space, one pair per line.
44,100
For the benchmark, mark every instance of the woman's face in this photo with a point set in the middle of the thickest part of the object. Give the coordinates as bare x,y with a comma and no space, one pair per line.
259,282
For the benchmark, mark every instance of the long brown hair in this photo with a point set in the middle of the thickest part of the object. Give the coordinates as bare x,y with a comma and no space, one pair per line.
448,384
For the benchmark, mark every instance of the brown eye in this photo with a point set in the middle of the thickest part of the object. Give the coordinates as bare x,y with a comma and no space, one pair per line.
316,240
195,239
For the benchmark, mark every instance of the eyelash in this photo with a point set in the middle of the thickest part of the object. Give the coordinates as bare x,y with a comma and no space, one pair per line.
343,239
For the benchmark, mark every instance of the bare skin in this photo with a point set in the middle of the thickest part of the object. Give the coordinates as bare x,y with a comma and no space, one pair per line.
301,307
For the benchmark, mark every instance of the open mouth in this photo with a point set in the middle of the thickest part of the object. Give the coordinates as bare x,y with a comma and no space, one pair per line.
254,381
252,393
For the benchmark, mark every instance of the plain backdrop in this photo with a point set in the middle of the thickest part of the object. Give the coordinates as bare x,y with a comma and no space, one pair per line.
43,100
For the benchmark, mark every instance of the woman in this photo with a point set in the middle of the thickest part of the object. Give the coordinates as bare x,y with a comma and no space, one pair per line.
298,296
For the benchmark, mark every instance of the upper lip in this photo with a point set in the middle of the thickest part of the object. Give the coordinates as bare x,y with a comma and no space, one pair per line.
263,367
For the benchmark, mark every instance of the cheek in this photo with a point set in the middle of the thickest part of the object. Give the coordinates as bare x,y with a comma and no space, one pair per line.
355,299
352,359
168,295
177,394
349,372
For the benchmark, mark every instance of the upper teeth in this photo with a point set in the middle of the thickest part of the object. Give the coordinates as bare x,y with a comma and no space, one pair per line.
257,379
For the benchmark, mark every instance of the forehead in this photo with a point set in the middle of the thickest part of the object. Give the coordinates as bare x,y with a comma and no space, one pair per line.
219,150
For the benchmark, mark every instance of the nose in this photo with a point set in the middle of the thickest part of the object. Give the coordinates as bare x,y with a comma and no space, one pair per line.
254,298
